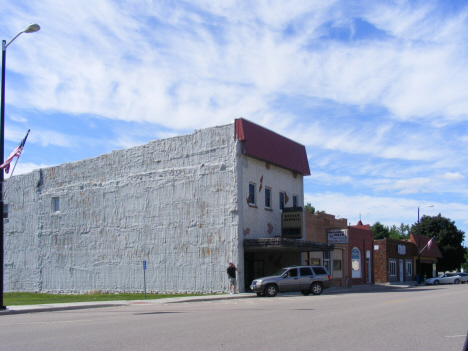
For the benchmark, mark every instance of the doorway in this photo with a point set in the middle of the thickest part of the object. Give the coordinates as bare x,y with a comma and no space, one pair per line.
402,271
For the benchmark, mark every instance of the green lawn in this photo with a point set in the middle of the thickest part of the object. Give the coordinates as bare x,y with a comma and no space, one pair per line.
12,299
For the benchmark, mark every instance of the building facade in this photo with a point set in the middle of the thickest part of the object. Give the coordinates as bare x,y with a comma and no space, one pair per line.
397,260
185,205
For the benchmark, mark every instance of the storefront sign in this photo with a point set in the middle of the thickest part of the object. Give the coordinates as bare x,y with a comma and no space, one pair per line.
337,236
291,222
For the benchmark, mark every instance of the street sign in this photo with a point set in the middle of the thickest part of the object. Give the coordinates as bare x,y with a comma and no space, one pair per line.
144,276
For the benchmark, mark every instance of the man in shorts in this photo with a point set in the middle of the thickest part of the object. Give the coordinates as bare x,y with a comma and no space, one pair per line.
231,272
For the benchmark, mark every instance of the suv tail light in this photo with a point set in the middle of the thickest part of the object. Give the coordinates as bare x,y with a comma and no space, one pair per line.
329,277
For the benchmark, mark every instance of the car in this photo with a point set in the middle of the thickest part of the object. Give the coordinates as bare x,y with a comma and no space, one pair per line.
463,277
306,279
444,278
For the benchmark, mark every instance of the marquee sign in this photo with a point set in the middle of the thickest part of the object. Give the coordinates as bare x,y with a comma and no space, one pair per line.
291,223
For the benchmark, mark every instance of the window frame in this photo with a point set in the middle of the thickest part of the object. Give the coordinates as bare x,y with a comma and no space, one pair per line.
268,190
392,268
356,273
282,201
295,200
55,204
252,194
408,268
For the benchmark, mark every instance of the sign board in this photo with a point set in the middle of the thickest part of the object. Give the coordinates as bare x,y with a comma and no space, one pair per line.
291,222
402,249
144,264
337,236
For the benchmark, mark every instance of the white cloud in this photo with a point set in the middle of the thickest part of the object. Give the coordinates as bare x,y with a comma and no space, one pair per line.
452,176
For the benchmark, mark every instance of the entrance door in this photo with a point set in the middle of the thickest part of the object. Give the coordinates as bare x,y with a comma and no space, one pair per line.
290,281
369,270
402,271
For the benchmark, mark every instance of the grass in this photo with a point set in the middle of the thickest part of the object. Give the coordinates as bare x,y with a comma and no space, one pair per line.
22,298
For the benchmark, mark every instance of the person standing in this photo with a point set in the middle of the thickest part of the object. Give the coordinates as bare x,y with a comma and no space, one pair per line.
231,272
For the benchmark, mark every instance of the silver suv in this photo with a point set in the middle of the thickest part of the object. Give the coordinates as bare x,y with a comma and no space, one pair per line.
306,279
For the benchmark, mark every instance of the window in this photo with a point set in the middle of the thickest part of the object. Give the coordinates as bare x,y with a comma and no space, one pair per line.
294,200
251,194
305,271
356,263
326,260
55,204
319,270
314,261
267,197
281,200
392,268
292,272
5,211
409,268
337,265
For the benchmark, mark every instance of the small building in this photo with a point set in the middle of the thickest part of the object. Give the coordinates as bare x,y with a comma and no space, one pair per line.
396,260
350,263
317,228
360,251
429,255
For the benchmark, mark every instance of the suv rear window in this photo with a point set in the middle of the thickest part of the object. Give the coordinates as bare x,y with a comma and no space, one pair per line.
305,271
319,270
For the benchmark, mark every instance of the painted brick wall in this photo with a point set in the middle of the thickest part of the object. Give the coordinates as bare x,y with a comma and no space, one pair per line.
172,202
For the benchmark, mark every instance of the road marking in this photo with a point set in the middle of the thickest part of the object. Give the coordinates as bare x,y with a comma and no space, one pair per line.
396,301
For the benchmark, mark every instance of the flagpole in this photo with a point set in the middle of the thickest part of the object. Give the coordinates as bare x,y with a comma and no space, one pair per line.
31,29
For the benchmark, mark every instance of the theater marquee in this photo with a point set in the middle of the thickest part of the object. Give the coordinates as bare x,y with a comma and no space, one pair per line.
292,222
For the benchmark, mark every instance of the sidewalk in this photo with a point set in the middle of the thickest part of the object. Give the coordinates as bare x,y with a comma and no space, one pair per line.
84,305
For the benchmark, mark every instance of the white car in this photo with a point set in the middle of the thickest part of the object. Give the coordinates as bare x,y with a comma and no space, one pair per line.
463,277
444,278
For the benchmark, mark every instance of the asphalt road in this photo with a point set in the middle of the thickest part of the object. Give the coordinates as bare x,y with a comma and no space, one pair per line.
421,318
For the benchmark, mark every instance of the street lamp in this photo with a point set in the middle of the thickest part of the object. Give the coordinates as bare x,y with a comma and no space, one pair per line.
419,246
31,29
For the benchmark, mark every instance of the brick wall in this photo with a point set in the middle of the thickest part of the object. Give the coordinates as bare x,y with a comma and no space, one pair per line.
316,225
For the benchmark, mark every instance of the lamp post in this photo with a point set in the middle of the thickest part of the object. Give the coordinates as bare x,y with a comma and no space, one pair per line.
419,246
31,29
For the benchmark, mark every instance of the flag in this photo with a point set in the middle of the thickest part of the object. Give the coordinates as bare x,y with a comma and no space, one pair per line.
16,152
429,244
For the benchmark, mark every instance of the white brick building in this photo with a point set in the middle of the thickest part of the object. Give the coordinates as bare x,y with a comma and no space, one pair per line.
186,205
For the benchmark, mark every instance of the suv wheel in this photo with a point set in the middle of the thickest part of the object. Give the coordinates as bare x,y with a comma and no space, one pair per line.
271,290
316,288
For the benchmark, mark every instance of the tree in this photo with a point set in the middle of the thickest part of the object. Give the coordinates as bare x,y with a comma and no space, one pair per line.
448,237
402,232
465,265
380,231
310,208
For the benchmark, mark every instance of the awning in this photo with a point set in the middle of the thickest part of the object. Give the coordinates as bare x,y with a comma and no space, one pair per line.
284,244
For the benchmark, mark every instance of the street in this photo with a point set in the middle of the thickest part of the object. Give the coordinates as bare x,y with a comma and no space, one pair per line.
384,318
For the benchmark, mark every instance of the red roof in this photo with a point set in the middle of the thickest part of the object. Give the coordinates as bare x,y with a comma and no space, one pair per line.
265,145
425,251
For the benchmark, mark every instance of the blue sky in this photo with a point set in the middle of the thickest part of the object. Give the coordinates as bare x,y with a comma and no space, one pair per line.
376,91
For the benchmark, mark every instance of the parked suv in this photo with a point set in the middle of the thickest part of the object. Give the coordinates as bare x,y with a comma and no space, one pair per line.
306,279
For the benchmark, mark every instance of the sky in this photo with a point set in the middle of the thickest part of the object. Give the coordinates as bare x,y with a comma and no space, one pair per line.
377,91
